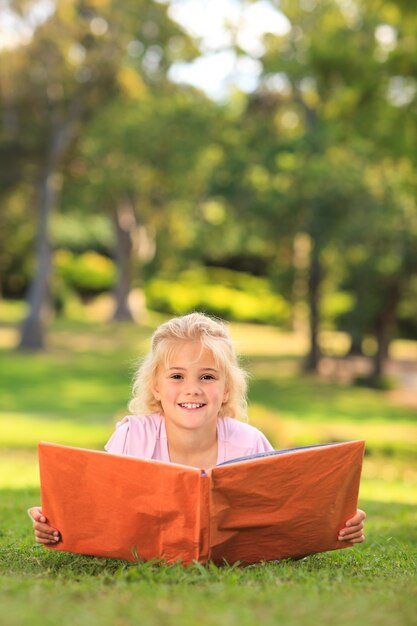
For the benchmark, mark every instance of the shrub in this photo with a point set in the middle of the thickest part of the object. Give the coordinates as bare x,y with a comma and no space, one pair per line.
88,273
225,293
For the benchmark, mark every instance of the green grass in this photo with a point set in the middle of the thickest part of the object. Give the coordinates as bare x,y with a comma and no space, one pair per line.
73,394
373,584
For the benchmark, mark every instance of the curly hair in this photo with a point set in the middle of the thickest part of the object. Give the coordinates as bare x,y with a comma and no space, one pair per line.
213,335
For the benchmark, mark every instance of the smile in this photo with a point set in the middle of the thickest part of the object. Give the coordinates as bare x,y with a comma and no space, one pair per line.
191,405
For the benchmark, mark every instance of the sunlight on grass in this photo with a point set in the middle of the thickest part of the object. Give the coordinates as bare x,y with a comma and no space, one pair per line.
63,385
334,343
267,340
9,338
403,349
311,398
26,430
389,491
12,310
19,469
285,432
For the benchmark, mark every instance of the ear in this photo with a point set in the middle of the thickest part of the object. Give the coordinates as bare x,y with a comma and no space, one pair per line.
226,396
155,391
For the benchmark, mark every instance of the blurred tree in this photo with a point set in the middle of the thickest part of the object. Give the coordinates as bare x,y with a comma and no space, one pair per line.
17,147
382,263
73,65
147,172
323,84
335,102
16,236
245,193
317,163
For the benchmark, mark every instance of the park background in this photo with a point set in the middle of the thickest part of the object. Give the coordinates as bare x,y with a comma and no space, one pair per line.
254,160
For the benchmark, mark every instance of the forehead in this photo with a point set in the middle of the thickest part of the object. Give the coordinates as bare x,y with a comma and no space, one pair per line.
190,353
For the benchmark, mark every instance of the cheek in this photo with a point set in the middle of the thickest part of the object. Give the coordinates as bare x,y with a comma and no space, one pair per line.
167,392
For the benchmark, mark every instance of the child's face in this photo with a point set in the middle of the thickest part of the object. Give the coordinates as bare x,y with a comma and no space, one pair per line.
190,387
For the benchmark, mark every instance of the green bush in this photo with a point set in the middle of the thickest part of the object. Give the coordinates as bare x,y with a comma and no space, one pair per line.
88,273
225,293
335,305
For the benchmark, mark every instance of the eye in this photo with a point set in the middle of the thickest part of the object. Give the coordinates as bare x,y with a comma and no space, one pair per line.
176,376
208,377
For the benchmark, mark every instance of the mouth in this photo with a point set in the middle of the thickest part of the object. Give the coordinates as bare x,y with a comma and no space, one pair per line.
191,405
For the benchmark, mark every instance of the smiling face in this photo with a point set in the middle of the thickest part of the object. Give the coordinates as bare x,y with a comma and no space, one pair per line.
191,387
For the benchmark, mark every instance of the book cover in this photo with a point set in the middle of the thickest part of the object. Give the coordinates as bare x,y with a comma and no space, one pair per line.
286,503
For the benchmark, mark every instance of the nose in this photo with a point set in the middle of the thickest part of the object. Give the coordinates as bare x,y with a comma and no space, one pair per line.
193,387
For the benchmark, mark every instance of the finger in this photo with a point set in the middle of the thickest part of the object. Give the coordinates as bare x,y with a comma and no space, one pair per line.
360,539
46,542
44,528
351,529
359,536
47,537
350,536
350,532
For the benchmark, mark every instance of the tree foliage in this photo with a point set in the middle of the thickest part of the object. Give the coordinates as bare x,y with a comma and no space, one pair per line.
309,180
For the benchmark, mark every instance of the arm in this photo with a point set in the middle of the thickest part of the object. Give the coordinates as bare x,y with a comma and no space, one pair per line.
353,531
43,532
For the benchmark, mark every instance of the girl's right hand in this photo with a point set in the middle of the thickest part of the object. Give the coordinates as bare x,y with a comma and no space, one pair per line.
43,532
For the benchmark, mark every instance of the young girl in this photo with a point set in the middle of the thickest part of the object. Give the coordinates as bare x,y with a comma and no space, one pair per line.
187,394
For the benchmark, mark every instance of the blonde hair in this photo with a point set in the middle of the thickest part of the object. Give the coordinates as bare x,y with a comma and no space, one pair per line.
213,335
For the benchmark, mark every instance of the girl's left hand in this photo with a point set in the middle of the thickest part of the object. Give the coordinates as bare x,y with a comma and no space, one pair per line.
353,531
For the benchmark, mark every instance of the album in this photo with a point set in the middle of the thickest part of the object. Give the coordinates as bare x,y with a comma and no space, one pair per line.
275,505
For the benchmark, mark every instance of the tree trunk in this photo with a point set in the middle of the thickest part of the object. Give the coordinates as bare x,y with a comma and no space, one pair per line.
301,263
34,326
355,344
125,227
383,333
315,275
313,357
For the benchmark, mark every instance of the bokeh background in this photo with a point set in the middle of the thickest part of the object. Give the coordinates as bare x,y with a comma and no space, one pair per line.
254,160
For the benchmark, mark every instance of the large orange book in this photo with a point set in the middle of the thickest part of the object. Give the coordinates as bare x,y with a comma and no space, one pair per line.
286,503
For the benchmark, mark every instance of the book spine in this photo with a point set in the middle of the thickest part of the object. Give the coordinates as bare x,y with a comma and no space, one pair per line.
204,517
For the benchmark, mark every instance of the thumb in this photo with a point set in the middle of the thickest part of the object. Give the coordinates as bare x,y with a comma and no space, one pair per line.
35,513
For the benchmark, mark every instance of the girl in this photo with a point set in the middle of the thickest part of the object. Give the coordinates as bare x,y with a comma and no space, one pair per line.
187,394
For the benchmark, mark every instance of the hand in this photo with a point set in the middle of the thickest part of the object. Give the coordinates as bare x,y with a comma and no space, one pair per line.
353,531
43,532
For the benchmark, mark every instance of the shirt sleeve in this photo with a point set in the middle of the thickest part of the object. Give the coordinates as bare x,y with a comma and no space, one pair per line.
117,444
237,439
135,436
262,444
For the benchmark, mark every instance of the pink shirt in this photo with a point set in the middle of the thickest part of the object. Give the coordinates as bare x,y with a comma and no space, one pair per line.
145,437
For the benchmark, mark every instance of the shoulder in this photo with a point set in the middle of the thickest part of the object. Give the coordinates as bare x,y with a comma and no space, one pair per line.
135,435
140,422
242,435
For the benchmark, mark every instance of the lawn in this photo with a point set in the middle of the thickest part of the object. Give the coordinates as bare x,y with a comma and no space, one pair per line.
73,394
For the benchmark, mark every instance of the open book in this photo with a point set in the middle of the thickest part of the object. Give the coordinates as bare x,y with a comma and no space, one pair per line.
286,503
